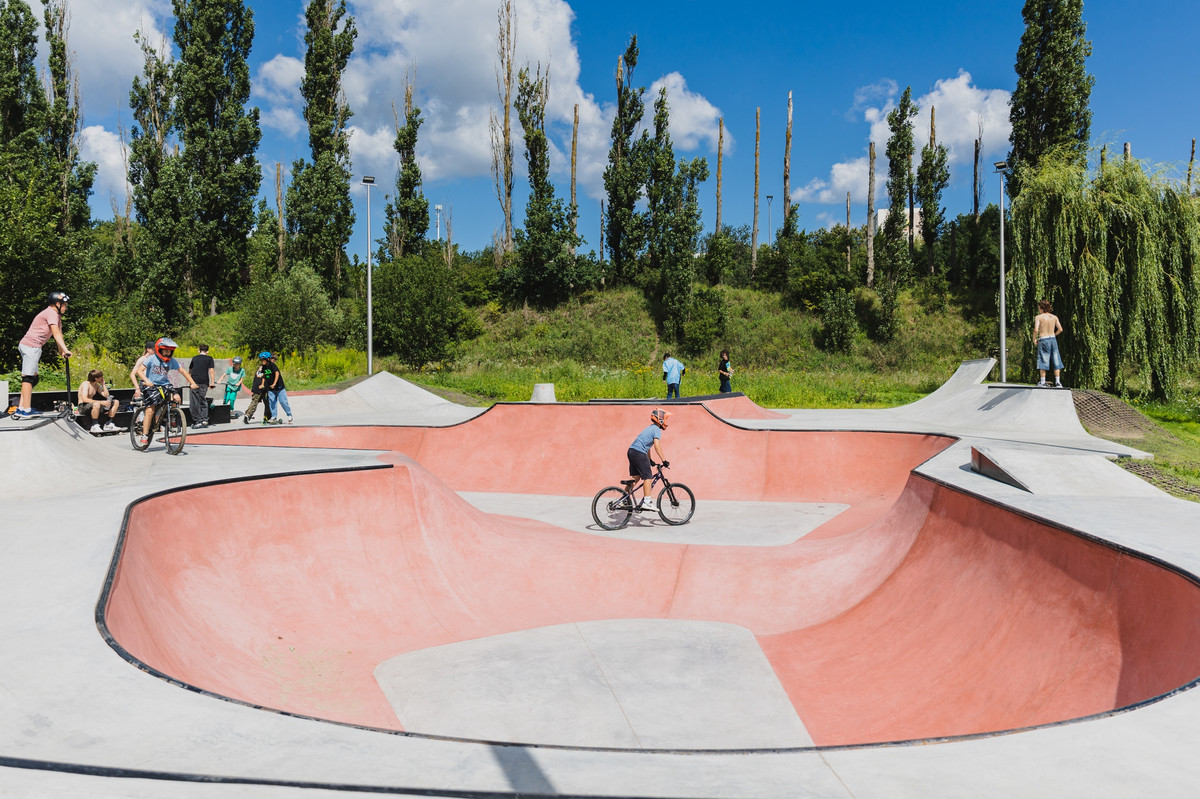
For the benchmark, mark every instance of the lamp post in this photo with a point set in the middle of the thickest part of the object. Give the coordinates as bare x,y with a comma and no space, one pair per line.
438,208
1002,170
770,224
369,181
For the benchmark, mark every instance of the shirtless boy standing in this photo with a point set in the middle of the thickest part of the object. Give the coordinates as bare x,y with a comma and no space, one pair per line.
1045,328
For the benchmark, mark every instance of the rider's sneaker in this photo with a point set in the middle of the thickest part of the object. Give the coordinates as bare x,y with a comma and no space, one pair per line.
26,414
95,430
647,504
109,427
143,441
246,419
290,420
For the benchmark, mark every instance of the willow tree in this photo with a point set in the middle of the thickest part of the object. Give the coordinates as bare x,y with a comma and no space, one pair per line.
1116,252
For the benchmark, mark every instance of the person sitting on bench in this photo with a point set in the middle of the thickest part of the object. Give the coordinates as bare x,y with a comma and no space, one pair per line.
94,398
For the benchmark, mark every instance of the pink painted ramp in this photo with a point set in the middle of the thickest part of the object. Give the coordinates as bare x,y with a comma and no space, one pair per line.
919,612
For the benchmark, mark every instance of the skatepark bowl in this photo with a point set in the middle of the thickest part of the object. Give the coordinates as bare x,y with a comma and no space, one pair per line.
381,597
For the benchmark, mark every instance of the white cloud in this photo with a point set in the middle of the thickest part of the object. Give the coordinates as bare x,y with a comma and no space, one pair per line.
961,109
100,34
276,89
106,149
693,118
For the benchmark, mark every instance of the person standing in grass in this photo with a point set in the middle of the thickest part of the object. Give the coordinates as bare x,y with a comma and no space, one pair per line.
725,372
1046,328
673,372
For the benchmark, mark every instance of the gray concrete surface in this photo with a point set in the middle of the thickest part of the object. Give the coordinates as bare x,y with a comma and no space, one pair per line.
77,720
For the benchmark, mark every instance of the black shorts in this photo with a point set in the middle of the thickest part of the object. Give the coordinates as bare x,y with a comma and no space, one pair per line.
639,464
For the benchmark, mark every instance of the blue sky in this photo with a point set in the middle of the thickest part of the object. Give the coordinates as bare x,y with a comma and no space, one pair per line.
845,63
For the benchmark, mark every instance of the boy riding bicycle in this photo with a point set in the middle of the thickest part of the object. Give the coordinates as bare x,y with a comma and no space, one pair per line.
156,370
639,454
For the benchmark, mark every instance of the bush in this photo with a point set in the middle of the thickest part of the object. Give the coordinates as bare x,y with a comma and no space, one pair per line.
418,311
840,323
705,321
289,313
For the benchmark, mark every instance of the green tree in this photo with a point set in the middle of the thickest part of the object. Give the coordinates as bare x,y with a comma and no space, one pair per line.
218,168
407,217
623,177
73,176
896,260
418,312
933,175
545,272
672,218
320,215
22,101
1050,104
1116,252
289,313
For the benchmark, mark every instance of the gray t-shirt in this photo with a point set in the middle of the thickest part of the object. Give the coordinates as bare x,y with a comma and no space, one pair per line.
646,439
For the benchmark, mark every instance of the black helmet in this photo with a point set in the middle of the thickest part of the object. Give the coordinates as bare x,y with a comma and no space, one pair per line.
55,297
164,348
237,359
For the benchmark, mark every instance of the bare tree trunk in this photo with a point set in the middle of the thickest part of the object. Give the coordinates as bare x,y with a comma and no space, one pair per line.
1191,162
754,230
448,250
848,240
787,165
871,218
574,160
501,131
975,185
720,161
1128,151
602,235
280,213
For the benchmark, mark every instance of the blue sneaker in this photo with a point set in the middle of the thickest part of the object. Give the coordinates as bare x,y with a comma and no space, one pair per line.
32,413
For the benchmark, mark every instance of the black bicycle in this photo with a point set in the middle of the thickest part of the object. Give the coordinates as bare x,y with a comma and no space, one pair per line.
613,507
168,417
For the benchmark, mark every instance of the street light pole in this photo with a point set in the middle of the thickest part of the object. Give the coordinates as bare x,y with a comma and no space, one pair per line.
770,224
1002,170
438,208
369,181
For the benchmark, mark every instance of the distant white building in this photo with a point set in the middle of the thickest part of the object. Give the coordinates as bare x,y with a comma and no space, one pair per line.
882,215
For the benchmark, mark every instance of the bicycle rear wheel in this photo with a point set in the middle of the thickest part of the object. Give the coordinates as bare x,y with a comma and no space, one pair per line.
612,508
135,429
676,504
174,429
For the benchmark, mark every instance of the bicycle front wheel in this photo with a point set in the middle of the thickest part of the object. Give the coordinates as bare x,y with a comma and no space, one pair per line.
135,429
174,429
676,504
612,508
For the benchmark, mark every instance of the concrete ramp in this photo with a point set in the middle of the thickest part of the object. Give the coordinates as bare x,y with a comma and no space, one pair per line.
56,456
1058,473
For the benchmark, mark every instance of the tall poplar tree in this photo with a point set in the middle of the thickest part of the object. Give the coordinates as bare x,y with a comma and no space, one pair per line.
407,217
545,272
933,175
899,153
73,177
219,175
672,217
30,249
320,215
623,175
1050,105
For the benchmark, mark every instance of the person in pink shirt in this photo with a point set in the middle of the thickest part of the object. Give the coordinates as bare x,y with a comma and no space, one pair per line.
45,325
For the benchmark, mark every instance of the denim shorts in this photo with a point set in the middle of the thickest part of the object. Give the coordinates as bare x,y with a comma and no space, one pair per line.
1048,357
